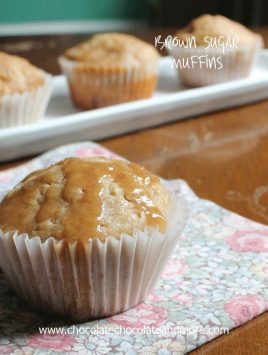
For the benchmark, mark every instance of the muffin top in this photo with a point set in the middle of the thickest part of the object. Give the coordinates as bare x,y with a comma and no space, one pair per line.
217,26
112,49
78,199
17,75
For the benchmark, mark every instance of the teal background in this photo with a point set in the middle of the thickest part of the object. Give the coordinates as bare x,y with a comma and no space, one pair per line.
53,10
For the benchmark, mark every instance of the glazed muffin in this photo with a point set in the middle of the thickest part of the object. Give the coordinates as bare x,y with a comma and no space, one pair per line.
117,197
24,91
110,68
227,49
87,238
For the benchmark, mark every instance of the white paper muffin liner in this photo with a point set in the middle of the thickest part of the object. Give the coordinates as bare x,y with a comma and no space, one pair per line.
20,109
103,86
92,280
237,63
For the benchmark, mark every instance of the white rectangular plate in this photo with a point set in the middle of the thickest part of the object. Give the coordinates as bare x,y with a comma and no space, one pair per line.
64,124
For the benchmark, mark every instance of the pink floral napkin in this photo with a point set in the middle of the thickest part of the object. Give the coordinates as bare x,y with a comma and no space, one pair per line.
215,280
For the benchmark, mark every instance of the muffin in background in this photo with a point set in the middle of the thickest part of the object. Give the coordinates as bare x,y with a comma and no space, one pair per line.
236,61
109,69
24,91
88,238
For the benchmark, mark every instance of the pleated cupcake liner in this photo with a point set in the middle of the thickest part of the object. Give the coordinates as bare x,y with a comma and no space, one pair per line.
94,279
94,87
236,64
29,107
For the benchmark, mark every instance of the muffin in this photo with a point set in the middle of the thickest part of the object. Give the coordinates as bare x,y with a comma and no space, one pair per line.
88,238
109,69
24,91
225,48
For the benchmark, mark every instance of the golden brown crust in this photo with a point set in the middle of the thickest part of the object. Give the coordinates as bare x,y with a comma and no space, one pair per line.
17,75
112,49
216,26
78,199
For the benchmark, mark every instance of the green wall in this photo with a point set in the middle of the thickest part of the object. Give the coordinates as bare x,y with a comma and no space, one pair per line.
53,10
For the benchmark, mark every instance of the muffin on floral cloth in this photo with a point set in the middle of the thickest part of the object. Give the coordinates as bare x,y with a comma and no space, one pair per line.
110,68
88,238
24,91
214,49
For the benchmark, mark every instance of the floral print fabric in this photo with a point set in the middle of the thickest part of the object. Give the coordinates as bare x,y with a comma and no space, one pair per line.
216,277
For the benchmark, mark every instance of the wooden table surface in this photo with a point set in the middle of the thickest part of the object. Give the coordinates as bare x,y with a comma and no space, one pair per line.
223,156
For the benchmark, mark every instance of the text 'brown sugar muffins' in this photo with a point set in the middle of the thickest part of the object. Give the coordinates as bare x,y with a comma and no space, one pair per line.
24,91
110,68
210,34
88,238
